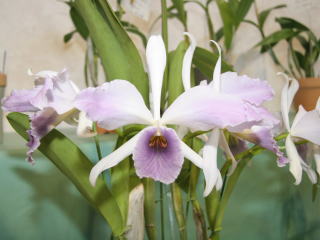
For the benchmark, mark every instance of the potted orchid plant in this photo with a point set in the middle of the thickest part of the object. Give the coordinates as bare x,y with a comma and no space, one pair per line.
303,53
168,129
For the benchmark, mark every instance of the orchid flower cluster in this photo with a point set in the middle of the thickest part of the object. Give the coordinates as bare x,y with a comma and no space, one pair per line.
227,103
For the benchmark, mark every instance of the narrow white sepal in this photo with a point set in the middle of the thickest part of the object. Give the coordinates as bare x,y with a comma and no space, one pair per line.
295,160
217,70
156,61
84,128
289,90
210,168
187,62
188,153
113,158
227,150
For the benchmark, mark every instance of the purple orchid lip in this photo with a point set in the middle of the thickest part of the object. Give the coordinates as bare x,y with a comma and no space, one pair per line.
158,156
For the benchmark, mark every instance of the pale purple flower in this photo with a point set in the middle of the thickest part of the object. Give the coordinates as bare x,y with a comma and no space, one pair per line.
305,125
47,104
248,93
157,150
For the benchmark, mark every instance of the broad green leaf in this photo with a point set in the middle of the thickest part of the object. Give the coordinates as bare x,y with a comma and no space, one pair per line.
73,163
289,23
175,86
119,56
276,37
228,22
120,175
264,14
205,61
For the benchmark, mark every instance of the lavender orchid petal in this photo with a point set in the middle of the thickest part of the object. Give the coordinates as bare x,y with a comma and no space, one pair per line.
199,108
210,168
114,104
41,123
113,158
295,160
187,62
28,100
306,125
252,90
263,136
156,61
159,162
63,93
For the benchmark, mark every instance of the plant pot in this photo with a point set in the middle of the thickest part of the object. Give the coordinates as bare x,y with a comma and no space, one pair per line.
308,93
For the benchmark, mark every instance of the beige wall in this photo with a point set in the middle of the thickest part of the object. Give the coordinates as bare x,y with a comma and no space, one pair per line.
32,32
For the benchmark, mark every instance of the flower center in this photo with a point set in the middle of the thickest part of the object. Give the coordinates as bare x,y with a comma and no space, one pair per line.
158,141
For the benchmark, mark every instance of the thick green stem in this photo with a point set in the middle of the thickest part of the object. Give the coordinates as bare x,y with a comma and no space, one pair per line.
161,211
212,34
178,209
149,207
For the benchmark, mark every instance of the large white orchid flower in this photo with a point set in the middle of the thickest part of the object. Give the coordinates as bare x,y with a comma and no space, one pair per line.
157,150
305,125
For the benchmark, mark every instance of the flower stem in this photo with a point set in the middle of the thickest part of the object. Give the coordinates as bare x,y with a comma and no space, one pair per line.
178,209
161,211
97,142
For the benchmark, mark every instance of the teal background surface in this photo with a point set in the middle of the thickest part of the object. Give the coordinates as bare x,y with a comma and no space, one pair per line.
38,202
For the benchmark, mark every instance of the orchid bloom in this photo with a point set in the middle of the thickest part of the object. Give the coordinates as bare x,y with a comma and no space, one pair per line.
250,93
305,125
48,103
157,151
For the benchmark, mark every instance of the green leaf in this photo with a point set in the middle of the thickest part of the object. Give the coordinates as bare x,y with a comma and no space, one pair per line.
262,17
228,23
205,61
119,56
276,37
68,36
182,16
175,85
73,163
289,23
78,22
242,10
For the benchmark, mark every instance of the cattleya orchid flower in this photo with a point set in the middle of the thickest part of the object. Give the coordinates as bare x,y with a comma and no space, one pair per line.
305,125
47,104
250,93
157,151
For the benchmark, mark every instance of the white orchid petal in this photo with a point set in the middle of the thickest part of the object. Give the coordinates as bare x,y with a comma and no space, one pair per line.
217,70
310,172
156,61
191,155
227,150
318,104
113,158
306,125
210,168
84,128
187,62
289,90
295,160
